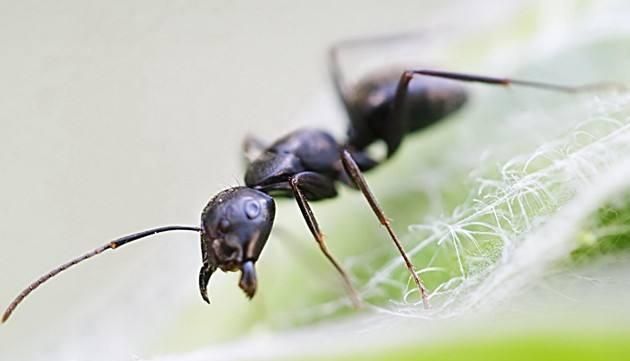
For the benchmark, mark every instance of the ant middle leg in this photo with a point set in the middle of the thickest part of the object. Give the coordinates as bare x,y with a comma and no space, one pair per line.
355,174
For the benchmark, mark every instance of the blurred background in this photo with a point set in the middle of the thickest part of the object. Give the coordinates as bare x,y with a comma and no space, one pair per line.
121,116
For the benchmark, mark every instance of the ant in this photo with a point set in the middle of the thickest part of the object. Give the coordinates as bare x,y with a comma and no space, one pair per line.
307,164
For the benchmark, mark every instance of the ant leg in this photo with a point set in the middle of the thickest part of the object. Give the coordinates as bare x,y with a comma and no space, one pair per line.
306,180
336,74
252,147
396,126
334,66
407,75
354,172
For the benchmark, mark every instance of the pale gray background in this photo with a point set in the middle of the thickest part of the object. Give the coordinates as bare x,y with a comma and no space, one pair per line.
118,116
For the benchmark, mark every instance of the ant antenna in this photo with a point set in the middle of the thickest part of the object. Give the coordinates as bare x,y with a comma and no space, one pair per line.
111,245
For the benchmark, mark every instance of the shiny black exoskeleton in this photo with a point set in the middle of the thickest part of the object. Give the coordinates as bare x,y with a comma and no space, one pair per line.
307,164
236,224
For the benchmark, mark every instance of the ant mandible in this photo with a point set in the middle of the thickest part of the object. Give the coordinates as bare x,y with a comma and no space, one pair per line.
307,164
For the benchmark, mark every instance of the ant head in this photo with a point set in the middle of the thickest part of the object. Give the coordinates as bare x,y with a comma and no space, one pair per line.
235,226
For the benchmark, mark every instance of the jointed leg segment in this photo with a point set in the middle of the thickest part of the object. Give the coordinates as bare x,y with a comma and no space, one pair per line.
355,173
252,147
313,226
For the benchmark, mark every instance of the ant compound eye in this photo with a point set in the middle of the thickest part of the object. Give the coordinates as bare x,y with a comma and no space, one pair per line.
224,225
252,209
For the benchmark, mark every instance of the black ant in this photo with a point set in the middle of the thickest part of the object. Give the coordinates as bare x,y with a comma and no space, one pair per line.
307,164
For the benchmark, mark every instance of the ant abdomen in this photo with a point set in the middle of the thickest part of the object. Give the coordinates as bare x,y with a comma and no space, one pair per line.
427,101
430,100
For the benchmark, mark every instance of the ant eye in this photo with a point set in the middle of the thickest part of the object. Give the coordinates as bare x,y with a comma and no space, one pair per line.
224,225
252,209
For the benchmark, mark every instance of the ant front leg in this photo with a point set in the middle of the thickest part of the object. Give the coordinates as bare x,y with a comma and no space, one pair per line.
355,174
310,185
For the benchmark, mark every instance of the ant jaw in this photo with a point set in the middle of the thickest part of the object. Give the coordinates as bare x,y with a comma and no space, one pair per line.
248,280
204,276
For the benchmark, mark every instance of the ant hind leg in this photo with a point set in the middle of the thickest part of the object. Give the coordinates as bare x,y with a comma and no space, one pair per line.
252,148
